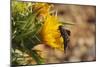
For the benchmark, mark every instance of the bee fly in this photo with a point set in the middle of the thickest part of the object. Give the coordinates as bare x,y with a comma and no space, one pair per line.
65,34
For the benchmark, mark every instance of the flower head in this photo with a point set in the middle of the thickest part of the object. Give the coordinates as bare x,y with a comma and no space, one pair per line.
42,8
51,34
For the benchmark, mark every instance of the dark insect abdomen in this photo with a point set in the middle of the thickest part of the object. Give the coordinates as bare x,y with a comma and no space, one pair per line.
65,34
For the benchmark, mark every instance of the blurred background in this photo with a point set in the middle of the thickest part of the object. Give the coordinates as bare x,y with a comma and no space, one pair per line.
82,45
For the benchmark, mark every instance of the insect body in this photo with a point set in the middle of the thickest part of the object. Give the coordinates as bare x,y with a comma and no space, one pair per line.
65,34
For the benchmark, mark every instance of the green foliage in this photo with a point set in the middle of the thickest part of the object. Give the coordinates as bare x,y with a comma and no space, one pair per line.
25,30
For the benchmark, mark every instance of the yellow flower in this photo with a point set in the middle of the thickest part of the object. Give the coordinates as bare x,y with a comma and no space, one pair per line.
50,33
42,8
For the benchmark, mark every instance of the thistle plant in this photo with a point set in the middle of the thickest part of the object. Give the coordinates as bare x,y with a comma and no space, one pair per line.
33,24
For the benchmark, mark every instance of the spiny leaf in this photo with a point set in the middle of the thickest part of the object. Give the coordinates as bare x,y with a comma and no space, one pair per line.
66,23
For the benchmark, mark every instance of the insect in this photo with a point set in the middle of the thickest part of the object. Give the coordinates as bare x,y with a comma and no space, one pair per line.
65,34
